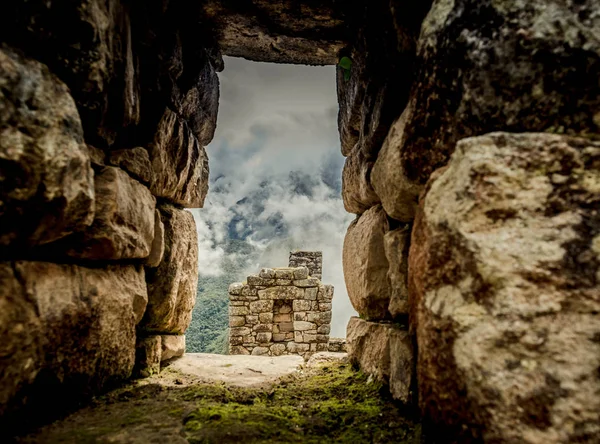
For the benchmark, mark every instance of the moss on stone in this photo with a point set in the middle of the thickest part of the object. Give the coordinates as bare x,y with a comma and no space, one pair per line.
333,403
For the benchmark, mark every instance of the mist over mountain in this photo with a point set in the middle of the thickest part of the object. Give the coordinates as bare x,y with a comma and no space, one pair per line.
275,178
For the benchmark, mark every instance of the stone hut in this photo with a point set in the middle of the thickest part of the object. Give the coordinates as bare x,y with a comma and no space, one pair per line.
281,311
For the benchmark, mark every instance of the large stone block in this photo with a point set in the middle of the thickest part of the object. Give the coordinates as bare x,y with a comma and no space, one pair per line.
357,191
495,65
365,264
135,161
173,284
157,249
70,329
504,275
384,351
179,163
172,346
46,181
123,226
396,244
147,356
372,93
93,56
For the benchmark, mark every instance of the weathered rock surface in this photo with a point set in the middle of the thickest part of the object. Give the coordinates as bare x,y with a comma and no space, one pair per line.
135,161
158,243
303,32
172,346
46,182
384,351
173,284
396,244
179,163
365,264
504,276
495,65
357,192
123,226
147,356
399,196
375,90
65,328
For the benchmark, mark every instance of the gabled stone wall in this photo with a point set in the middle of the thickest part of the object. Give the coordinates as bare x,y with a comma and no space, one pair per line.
280,311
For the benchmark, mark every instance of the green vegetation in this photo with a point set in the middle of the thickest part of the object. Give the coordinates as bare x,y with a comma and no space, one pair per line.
346,64
208,332
331,404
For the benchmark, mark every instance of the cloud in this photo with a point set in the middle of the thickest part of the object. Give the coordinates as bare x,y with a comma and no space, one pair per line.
276,173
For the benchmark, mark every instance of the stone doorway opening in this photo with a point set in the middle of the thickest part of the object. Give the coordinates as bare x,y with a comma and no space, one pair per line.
283,321
275,187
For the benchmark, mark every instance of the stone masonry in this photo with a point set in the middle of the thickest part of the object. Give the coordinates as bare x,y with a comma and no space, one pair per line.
312,260
281,311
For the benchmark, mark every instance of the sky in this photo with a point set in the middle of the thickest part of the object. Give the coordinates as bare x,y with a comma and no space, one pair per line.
275,173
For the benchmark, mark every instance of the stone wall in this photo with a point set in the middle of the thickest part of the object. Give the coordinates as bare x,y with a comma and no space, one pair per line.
313,260
472,261
470,132
103,125
281,311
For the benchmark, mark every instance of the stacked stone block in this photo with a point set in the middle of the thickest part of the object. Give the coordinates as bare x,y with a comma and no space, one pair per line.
313,260
98,254
280,311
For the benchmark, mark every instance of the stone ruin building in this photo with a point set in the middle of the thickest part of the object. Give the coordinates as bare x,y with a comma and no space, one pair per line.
471,131
282,311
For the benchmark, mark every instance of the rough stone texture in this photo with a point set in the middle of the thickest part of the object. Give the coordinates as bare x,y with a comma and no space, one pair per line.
135,161
384,351
396,244
157,250
179,163
123,226
147,356
313,260
399,196
382,51
504,276
365,264
289,31
173,284
267,317
337,345
357,192
495,65
172,346
46,182
66,329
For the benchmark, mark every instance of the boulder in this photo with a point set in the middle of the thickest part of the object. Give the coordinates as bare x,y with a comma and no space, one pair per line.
179,163
46,181
135,161
504,280
384,351
310,33
373,92
357,192
66,330
396,244
365,264
172,346
494,65
93,56
147,356
158,243
123,226
399,196
173,284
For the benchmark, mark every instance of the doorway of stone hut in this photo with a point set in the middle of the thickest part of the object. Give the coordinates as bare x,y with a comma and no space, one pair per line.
275,187
283,321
